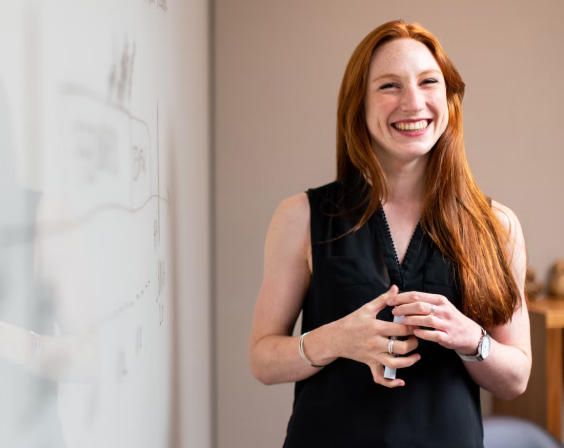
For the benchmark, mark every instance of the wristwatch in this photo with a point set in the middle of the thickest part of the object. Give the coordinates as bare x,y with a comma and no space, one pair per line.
483,349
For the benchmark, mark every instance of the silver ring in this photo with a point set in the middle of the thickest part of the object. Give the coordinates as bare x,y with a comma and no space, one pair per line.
432,310
391,347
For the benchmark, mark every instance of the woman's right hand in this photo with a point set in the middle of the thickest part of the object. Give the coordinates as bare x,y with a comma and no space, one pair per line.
364,338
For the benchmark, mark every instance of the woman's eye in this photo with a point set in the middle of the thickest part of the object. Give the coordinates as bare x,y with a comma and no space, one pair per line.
391,85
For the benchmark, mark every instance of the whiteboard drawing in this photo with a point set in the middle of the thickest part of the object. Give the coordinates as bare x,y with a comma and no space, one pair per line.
85,297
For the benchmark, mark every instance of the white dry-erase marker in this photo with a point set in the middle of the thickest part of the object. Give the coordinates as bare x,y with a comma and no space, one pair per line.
388,372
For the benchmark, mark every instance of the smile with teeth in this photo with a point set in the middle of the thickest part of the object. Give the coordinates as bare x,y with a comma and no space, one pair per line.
411,127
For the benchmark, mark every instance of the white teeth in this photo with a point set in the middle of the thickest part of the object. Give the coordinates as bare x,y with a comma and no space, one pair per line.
417,126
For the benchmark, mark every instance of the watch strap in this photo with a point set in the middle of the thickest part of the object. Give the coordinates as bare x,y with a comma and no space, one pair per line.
477,357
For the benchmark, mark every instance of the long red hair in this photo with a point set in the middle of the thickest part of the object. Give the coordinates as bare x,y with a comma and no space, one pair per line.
456,214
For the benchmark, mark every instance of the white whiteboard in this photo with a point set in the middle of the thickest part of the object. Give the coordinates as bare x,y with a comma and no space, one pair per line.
85,206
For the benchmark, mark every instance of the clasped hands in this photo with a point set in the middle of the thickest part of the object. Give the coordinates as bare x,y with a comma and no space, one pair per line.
365,339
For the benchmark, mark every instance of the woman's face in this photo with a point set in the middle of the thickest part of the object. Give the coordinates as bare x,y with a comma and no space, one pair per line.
405,102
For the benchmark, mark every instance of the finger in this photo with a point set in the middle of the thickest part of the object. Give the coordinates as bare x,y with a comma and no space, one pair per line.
438,336
423,308
404,347
379,303
415,296
400,362
425,321
378,375
394,329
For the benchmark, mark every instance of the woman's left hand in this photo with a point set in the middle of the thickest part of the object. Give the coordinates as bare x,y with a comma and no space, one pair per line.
452,328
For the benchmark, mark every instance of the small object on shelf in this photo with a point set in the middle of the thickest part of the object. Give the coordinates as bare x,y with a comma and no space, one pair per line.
532,286
556,280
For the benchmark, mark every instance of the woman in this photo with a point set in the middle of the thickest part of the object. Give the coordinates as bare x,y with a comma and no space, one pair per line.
404,231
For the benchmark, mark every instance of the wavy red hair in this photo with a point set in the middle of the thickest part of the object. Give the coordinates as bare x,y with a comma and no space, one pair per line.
456,214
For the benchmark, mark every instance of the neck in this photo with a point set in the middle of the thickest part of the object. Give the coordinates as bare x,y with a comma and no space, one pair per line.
406,179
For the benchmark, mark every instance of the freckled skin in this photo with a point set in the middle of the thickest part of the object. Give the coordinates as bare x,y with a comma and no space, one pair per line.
410,93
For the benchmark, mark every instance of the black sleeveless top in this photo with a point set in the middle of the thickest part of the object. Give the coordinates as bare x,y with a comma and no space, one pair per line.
341,405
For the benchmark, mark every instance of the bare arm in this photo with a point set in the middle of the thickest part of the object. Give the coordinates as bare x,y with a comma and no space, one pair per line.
274,354
505,372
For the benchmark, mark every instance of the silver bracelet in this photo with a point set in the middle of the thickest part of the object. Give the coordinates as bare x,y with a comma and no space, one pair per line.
302,351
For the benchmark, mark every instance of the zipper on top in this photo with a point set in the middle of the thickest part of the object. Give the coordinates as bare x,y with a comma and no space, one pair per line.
402,281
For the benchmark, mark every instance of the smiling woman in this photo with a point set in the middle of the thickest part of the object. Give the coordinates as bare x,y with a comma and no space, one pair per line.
402,233
408,103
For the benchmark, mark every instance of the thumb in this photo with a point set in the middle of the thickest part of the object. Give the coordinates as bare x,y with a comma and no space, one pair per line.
379,303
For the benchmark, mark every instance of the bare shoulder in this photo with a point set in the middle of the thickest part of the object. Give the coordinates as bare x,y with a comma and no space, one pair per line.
294,209
511,223
290,222
518,249
506,216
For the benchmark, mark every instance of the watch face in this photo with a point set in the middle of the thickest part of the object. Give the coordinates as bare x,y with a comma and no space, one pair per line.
485,349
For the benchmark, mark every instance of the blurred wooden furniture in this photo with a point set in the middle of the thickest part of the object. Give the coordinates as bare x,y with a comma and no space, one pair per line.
542,402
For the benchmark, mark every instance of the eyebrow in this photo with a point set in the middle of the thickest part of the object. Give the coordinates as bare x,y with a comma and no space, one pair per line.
393,75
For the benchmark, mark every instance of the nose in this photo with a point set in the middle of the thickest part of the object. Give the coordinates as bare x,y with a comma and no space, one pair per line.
412,100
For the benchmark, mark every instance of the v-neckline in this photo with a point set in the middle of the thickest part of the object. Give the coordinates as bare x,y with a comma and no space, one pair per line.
391,239
402,269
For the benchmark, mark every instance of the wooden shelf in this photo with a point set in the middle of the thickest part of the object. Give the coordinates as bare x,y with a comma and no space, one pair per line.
552,308
542,401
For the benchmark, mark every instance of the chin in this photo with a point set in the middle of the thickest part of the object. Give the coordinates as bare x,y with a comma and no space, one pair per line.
413,153
403,151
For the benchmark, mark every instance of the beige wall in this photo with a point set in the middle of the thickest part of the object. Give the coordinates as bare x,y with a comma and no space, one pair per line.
278,69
